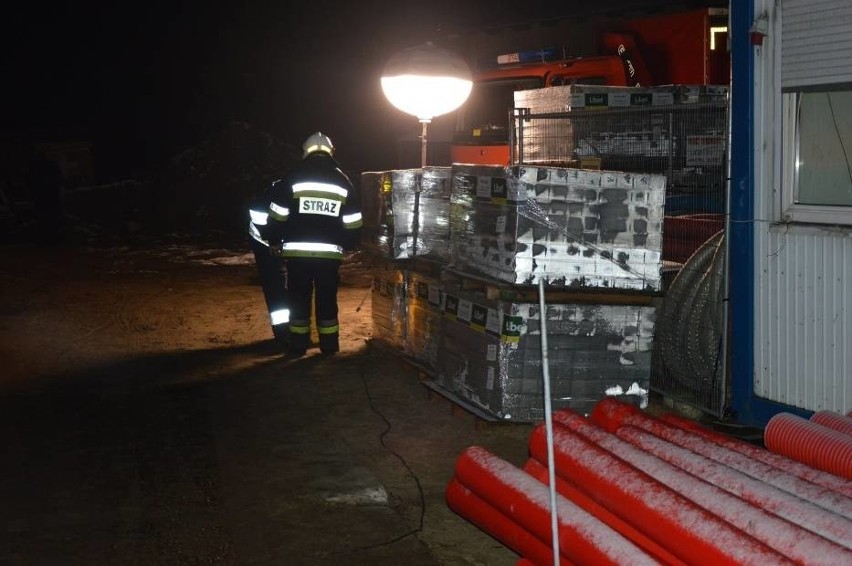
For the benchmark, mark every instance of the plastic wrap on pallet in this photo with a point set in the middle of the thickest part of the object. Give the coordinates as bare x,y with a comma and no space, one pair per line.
489,354
374,210
405,185
390,200
567,227
379,233
425,300
434,207
388,308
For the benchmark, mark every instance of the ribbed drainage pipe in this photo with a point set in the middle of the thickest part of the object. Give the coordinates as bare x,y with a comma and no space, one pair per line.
566,489
783,504
824,479
793,541
810,443
691,533
614,413
476,511
832,420
583,539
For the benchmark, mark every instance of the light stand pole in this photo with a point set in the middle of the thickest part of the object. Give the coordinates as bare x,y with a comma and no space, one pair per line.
423,145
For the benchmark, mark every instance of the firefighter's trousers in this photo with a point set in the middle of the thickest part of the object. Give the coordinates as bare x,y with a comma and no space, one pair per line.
273,279
317,278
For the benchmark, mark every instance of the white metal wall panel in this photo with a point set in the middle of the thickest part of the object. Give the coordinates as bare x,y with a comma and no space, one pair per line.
803,338
815,41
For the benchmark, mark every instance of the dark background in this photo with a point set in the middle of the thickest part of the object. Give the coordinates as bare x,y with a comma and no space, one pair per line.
142,81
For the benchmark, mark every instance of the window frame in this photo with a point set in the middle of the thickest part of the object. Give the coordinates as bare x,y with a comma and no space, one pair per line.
792,211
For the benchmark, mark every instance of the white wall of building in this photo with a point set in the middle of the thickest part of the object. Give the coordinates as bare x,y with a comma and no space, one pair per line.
802,265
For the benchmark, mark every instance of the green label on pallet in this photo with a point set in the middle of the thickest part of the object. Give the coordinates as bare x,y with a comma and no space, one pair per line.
512,327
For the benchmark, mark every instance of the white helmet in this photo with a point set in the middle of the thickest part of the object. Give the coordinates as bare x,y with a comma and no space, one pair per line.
318,141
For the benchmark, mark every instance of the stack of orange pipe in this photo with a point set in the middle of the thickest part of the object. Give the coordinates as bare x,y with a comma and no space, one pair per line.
811,443
835,421
638,489
758,454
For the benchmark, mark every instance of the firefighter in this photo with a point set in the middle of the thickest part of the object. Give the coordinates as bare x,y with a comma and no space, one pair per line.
270,267
315,216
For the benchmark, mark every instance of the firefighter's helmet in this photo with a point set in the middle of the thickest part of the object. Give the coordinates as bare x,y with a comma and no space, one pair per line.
318,141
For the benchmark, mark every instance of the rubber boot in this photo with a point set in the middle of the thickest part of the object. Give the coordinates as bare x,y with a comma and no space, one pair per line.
329,343
298,345
282,336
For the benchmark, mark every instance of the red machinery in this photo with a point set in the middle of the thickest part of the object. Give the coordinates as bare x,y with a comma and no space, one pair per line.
682,48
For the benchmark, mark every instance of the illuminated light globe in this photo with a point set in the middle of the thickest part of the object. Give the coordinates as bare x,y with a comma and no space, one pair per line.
426,97
426,81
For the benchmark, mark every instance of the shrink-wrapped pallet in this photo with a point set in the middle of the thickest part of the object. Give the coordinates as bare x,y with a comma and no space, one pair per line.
389,308
425,300
566,227
434,209
490,354
406,213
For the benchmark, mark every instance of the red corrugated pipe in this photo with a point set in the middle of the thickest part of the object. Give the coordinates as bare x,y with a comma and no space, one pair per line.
569,491
799,544
759,454
583,539
810,443
832,420
688,531
473,508
783,504
615,412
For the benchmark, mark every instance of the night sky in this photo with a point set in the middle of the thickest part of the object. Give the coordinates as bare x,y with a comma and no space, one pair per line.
144,81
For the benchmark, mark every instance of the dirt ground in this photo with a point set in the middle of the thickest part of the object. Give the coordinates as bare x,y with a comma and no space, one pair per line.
148,418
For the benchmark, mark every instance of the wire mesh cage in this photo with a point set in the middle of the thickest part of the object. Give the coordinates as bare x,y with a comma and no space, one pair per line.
688,144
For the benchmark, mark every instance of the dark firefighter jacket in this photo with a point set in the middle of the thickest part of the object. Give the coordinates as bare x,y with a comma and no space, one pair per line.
314,211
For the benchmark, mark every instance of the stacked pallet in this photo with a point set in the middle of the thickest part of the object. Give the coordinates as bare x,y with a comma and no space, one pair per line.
567,227
471,316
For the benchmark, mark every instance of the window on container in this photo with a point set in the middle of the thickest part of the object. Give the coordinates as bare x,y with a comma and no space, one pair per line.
823,165
818,155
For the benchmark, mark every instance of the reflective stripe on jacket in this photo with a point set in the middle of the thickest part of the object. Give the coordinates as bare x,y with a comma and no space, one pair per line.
312,249
259,217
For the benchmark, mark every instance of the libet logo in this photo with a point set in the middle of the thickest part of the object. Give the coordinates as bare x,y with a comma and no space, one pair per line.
513,326
478,318
498,189
451,306
597,99
641,99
